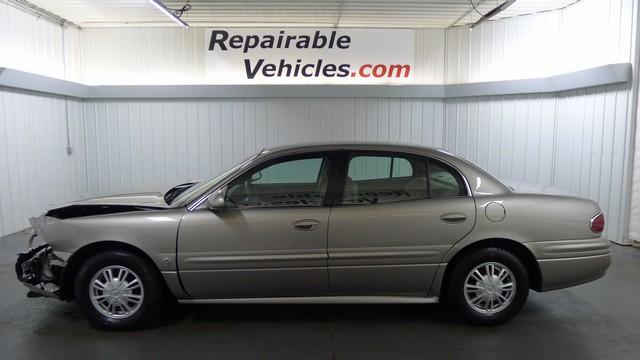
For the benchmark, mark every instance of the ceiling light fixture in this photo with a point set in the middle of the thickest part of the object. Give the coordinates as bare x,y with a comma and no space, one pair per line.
495,11
170,13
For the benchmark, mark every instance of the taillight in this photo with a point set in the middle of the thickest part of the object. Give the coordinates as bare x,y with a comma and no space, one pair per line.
597,223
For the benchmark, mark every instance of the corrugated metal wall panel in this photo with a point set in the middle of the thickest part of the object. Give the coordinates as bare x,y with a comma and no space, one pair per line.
147,145
149,56
573,142
587,34
634,222
36,170
429,56
72,54
33,44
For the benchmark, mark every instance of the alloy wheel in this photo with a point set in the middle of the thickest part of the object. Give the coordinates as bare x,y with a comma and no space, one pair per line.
489,288
116,291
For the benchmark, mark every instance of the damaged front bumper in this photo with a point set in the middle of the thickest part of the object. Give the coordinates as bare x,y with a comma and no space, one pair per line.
40,270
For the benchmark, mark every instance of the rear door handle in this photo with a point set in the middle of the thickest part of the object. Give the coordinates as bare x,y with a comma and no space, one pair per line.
453,218
306,225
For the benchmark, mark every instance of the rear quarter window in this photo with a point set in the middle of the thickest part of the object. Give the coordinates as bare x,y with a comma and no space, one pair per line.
444,181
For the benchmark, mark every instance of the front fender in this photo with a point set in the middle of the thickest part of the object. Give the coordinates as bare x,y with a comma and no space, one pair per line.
154,232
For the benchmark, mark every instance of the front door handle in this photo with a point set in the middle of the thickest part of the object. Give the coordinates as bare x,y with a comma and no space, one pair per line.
453,218
306,225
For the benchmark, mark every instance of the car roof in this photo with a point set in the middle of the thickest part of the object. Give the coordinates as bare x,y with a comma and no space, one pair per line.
380,146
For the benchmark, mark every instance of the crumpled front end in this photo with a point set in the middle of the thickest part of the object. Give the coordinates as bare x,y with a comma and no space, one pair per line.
40,270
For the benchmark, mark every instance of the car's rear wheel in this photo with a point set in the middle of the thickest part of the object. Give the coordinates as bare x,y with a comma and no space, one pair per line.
488,286
118,290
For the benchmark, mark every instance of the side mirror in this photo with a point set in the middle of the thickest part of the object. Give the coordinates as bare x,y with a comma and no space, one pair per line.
216,201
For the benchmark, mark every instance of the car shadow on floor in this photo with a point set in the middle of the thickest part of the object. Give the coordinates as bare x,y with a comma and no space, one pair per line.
313,313
184,314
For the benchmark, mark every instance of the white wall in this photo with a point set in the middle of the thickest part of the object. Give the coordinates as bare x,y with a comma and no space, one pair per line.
143,145
35,168
634,218
587,34
38,45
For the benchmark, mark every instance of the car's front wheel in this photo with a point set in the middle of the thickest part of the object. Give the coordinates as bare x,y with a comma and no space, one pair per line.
488,286
118,290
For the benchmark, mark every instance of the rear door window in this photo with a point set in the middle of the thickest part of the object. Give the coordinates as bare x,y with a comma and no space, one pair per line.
385,178
373,179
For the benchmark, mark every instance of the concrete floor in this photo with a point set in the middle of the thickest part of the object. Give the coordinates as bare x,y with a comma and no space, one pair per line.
593,321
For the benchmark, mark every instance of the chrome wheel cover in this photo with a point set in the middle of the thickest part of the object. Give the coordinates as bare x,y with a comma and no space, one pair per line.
489,288
116,291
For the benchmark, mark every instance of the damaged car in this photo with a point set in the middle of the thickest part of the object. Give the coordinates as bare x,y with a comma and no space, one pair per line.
319,223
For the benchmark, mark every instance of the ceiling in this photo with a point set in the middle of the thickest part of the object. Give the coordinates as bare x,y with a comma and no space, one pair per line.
310,13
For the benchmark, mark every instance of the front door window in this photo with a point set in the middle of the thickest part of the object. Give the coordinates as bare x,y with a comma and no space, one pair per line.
293,182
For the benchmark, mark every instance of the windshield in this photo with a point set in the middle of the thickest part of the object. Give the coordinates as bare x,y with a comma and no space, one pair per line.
202,187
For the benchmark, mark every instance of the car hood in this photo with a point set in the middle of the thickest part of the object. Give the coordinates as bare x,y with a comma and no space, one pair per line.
109,205
154,199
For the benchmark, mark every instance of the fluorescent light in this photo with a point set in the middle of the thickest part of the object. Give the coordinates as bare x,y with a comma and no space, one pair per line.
160,6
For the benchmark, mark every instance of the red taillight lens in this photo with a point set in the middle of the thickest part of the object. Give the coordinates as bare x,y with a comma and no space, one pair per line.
597,223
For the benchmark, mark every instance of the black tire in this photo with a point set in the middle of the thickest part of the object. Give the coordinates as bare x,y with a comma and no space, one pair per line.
460,303
151,285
